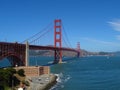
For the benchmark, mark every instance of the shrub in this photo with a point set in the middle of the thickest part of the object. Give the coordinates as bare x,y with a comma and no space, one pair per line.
21,72
26,83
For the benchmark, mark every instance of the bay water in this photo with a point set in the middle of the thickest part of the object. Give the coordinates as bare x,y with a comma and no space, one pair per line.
85,73
88,73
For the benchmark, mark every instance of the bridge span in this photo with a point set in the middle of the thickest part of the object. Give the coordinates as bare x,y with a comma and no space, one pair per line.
18,54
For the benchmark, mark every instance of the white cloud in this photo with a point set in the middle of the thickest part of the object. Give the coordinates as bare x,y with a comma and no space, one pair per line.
115,24
118,37
107,43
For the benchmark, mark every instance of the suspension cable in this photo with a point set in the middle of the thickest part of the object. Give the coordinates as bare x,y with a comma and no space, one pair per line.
66,36
65,42
41,35
37,33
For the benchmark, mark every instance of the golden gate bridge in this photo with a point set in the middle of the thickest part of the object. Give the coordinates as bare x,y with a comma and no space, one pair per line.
18,53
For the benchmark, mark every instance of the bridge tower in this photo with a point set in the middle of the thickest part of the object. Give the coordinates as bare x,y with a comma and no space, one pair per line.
57,41
78,49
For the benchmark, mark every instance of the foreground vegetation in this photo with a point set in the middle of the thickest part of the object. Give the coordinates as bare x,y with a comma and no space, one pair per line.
9,78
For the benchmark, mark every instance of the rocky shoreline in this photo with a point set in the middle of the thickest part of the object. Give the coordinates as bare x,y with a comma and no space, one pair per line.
43,82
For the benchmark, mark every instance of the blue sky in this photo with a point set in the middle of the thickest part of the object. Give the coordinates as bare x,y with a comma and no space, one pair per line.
93,23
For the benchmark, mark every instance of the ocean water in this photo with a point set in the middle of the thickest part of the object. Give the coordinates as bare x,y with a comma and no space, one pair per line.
85,73
88,73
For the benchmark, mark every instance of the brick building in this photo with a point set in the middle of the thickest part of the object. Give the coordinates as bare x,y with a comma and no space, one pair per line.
35,70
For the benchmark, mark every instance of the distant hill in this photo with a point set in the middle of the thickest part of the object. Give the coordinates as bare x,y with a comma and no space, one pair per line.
88,53
72,54
116,53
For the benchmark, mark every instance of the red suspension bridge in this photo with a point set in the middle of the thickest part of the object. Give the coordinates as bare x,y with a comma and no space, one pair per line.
18,53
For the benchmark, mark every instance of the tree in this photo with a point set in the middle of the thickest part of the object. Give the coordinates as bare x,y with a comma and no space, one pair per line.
7,77
21,72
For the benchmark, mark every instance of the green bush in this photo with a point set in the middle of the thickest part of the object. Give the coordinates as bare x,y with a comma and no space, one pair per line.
26,83
7,78
21,72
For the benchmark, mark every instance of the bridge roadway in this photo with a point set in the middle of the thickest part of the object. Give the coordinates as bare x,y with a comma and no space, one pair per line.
35,47
6,45
15,52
